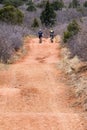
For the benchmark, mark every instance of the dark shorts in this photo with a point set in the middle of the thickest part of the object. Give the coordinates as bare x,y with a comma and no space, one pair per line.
40,36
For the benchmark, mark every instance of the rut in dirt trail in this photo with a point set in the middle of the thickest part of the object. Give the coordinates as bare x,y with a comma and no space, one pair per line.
32,97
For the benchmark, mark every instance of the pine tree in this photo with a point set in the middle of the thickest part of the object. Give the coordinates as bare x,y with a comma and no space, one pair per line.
48,15
1,1
85,4
74,4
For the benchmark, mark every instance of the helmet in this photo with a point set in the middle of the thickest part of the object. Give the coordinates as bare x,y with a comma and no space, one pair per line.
40,29
51,30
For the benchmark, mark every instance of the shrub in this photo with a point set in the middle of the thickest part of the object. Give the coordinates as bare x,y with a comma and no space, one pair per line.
5,50
16,43
67,35
15,3
57,4
8,48
85,4
35,23
72,29
11,14
48,15
11,40
42,4
31,6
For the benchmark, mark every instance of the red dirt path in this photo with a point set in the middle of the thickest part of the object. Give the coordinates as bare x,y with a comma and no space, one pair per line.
32,97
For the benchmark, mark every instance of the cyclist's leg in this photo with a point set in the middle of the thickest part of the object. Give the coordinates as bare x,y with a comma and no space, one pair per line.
40,39
51,38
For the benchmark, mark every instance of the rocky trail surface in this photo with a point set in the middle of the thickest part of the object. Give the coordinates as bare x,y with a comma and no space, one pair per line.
31,95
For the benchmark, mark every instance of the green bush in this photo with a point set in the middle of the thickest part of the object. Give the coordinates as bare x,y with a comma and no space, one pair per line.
72,29
85,4
15,3
35,23
67,35
31,6
48,15
10,14
57,4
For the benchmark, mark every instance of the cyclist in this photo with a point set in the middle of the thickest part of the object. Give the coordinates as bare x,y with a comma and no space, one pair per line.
40,34
51,35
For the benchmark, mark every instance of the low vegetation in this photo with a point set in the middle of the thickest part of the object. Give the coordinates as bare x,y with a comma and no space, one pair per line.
35,23
11,40
31,6
15,3
42,4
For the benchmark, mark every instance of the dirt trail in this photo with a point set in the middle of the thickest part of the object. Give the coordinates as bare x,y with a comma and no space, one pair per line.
32,97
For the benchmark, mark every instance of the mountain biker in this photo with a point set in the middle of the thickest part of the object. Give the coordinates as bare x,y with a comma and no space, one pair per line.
40,34
51,35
